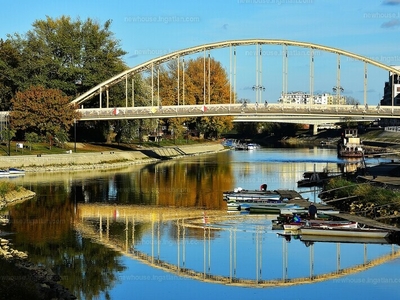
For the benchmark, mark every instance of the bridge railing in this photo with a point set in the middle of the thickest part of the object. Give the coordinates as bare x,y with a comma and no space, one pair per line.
237,109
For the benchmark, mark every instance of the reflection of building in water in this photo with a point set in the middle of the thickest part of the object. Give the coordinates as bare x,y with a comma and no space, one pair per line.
217,251
351,166
282,173
112,189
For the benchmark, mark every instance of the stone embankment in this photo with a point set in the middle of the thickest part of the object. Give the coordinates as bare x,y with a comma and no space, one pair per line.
45,281
9,253
105,159
16,196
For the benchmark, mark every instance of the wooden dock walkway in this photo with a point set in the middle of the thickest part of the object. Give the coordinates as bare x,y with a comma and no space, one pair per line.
306,203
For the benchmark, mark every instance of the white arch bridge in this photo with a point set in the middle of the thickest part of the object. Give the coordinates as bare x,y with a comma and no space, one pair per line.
286,111
257,112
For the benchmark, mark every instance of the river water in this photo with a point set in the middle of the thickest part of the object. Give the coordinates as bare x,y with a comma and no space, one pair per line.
162,231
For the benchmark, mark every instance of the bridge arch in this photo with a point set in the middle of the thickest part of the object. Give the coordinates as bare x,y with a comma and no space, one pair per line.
179,263
224,44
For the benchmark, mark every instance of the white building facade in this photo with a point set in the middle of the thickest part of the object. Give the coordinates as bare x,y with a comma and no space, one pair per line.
305,98
392,86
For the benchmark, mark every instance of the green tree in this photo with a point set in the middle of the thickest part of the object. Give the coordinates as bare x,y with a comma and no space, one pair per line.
31,137
61,137
9,79
43,111
7,134
246,129
70,55
64,54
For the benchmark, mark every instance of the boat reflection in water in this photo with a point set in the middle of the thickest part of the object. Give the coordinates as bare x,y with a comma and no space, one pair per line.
227,249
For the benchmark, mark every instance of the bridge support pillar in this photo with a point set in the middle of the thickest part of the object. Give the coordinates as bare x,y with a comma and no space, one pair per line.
313,129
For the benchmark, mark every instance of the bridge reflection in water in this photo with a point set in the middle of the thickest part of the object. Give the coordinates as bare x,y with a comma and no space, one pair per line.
200,239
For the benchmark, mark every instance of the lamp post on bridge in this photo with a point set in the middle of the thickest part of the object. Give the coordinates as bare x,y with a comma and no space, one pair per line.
338,89
258,89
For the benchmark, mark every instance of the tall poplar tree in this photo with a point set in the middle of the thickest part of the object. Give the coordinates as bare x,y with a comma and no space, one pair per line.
192,91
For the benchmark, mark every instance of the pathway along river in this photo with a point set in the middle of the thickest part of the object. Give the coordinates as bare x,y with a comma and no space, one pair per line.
161,231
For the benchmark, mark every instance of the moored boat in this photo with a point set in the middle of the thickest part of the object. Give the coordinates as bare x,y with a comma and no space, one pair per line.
290,210
240,192
262,209
233,206
350,145
252,197
273,209
320,224
247,204
15,171
4,173
345,232
343,239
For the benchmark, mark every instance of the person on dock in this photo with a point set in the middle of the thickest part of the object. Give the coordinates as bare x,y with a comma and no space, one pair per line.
263,187
296,218
312,211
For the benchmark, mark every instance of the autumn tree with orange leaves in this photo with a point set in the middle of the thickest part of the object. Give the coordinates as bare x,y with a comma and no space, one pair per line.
46,112
192,91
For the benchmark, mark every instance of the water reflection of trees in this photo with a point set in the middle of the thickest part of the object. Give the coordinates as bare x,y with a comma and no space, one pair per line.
45,224
45,231
176,183
195,185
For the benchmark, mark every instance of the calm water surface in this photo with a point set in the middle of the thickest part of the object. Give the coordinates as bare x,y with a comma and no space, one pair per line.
102,232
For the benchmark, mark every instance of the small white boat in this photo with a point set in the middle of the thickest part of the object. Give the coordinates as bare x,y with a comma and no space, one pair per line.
293,210
342,239
252,146
4,173
233,206
15,171
320,224
269,208
346,232
252,197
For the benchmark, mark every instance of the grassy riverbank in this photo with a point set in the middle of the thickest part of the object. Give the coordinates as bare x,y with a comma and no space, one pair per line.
365,199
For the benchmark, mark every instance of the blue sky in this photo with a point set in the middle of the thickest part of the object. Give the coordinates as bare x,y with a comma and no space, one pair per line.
148,29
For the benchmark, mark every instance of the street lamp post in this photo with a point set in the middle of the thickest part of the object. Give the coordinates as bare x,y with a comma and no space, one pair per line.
158,132
337,90
258,88
75,135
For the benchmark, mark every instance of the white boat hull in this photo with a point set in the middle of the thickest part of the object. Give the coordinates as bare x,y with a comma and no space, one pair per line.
342,239
345,232
321,224
14,171
252,197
